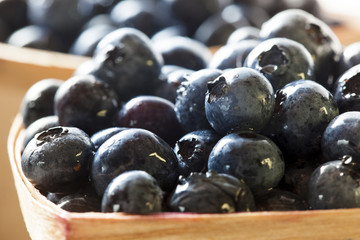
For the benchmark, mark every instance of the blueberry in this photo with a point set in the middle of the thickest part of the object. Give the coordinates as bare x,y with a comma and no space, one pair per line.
251,157
211,193
58,159
189,104
169,68
253,12
35,36
88,67
153,113
100,19
194,12
38,126
244,33
142,15
127,61
183,51
87,40
281,61
55,197
239,99
297,174
101,136
275,6
193,150
280,200
232,55
90,8
216,29
4,31
171,81
342,136
335,184
83,200
134,149
14,13
317,37
87,103
349,57
62,16
303,110
170,31
38,101
76,202
134,192
347,90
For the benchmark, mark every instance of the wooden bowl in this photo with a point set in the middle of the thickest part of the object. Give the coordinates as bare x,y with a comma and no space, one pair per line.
44,220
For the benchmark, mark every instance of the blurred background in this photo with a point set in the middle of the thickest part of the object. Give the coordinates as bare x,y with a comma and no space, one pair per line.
75,26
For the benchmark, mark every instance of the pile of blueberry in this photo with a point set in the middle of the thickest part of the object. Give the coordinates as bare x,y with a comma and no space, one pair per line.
270,121
76,26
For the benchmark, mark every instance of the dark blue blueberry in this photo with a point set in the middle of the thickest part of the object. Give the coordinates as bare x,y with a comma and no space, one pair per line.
14,14
35,36
134,192
153,113
171,31
239,99
189,104
172,77
216,29
76,202
183,51
251,157
192,13
297,174
88,67
317,37
349,57
347,90
281,61
193,150
83,200
58,159
303,110
232,55
244,33
253,12
87,40
101,19
101,136
280,200
91,8
63,17
55,197
142,15
134,149
342,136
335,184
273,7
85,102
4,31
38,126
211,193
127,61
38,100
